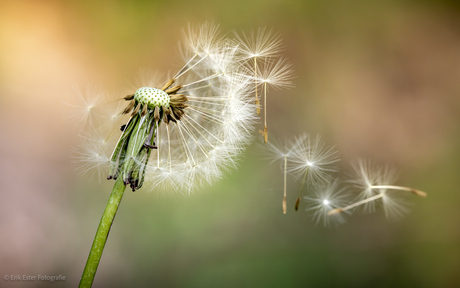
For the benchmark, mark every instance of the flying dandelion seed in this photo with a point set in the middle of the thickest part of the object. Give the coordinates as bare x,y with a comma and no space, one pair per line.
276,75
280,153
312,162
90,102
309,160
376,185
257,46
259,51
326,198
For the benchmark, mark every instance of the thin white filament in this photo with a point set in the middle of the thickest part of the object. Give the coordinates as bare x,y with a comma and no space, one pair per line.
187,117
194,139
191,66
204,79
210,117
185,66
204,137
186,144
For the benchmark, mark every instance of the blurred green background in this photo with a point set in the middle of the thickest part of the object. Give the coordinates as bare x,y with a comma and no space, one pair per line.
378,79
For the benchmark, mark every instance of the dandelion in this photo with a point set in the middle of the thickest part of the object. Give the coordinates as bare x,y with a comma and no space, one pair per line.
262,47
197,121
325,199
89,100
376,184
312,162
93,157
277,75
277,152
309,160
257,46
180,133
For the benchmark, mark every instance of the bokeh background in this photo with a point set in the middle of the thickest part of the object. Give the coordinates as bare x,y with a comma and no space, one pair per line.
378,79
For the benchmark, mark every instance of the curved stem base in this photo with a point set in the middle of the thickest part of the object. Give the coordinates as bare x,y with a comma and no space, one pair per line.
102,233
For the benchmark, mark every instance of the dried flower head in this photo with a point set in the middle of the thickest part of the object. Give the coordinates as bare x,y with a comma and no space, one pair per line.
182,131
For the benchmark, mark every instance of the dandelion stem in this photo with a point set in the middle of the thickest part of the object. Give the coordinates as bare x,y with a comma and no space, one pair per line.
102,233
297,203
285,178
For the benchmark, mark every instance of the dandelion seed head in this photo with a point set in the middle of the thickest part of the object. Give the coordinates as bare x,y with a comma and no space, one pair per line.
185,132
153,97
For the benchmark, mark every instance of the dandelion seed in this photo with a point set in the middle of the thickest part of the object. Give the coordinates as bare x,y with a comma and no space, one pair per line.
325,199
312,162
255,47
277,75
260,44
280,153
375,183
87,110
93,156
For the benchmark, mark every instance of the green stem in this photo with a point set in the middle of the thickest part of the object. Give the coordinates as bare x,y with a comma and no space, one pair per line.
102,233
